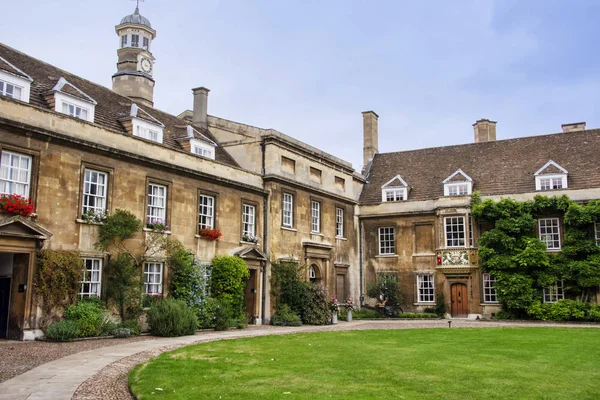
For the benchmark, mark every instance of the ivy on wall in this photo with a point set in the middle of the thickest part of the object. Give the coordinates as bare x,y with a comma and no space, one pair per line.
511,251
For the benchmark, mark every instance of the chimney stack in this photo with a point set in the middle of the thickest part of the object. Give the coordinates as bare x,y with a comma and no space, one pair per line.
370,135
574,127
200,113
485,130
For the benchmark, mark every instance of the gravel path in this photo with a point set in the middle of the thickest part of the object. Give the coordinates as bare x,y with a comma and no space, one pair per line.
111,383
18,357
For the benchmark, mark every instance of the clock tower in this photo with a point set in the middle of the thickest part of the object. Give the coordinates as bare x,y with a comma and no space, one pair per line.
136,62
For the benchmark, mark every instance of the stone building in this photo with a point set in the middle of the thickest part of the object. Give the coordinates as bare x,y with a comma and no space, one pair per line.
74,148
415,208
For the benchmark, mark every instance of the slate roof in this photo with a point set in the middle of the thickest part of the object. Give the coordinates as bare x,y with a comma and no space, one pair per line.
502,167
111,107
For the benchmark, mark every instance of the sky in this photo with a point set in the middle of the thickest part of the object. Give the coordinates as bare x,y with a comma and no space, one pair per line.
308,68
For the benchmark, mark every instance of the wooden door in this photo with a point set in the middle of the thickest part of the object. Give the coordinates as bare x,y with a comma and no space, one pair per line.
4,302
250,296
18,296
340,287
460,302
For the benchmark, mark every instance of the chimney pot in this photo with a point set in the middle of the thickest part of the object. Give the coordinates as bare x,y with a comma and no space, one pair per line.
370,136
484,130
573,127
200,113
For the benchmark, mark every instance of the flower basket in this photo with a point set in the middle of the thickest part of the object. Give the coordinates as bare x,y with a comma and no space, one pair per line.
16,205
157,225
250,239
210,234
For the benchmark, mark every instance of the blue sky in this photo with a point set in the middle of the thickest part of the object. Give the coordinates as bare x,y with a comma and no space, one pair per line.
308,68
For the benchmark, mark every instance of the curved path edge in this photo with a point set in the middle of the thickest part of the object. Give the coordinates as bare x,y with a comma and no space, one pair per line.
60,379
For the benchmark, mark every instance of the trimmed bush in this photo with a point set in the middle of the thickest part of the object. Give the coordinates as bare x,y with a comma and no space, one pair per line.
317,309
224,316
108,328
170,317
122,332
417,315
134,326
89,316
284,316
206,313
62,331
562,310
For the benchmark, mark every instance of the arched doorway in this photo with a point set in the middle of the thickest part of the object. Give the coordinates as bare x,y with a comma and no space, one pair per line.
314,274
460,301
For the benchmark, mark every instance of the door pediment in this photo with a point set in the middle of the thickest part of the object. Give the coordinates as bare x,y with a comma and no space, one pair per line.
22,227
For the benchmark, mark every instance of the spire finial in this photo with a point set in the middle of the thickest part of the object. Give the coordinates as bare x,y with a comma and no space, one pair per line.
137,6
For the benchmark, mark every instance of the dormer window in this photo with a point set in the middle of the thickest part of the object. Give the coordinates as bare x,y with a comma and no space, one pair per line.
458,184
14,83
70,100
551,177
145,125
395,189
200,144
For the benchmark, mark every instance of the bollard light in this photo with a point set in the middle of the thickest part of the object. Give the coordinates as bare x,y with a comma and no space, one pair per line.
449,324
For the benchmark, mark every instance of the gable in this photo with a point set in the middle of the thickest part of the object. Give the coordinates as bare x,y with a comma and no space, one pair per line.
250,253
396,181
458,176
551,168
19,226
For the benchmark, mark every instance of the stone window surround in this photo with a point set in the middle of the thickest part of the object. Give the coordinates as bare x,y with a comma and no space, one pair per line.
389,243
319,213
248,202
340,211
292,196
464,231
83,282
109,175
425,288
169,185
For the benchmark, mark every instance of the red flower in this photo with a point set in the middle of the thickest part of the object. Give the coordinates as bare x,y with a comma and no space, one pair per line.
210,234
16,204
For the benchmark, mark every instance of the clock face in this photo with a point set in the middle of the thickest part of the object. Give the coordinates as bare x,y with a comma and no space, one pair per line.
146,65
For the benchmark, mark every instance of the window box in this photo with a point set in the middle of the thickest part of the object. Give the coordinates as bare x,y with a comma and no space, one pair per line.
210,234
250,239
16,205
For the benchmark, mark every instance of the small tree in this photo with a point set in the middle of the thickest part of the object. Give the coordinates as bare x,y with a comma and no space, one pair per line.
187,282
227,282
386,287
124,286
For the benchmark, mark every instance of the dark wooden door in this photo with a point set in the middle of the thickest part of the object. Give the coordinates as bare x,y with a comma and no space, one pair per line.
4,302
16,313
340,287
250,296
460,302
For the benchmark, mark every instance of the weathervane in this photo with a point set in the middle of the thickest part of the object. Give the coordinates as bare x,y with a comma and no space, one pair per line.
138,3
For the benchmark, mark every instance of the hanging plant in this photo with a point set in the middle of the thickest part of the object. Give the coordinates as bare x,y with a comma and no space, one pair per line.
16,204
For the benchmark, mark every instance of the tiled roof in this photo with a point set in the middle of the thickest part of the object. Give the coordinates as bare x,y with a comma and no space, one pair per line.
111,107
501,167
8,67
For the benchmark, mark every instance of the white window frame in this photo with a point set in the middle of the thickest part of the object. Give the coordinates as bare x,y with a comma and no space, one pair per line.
153,278
489,290
91,282
248,220
597,229
94,193
10,90
550,238
287,210
156,212
454,222
315,213
471,235
147,131
74,110
339,222
426,288
203,149
457,189
8,182
17,81
206,212
554,293
393,194
386,237
550,181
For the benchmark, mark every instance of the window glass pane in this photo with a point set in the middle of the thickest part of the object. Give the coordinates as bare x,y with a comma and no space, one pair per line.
387,242
94,192
426,288
550,233
15,173
157,200
315,216
91,278
455,231
288,202
206,212
248,213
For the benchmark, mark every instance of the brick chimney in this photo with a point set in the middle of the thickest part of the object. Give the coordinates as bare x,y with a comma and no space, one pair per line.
573,127
485,130
200,113
370,135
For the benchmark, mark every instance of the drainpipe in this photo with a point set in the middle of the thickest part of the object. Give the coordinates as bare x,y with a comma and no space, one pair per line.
263,299
360,261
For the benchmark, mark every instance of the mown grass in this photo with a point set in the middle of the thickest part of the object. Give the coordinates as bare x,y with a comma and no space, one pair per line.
494,363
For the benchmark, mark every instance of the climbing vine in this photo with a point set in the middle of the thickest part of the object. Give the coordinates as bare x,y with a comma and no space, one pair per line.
510,249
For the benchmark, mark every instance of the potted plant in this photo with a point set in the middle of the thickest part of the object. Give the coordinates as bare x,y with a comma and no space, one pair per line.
349,309
91,217
250,238
157,225
334,307
16,205
210,234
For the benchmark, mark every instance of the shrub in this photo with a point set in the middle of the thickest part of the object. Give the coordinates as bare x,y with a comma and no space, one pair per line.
317,308
188,282
440,305
88,315
367,313
133,325
124,286
504,315
594,313
228,281
206,313
122,332
417,315
224,318
108,328
62,331
284,316
170,317
562,310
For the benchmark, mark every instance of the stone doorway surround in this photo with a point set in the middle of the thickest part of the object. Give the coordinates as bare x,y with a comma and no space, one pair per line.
22,237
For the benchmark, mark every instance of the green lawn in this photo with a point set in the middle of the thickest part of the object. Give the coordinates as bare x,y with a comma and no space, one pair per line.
490,363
